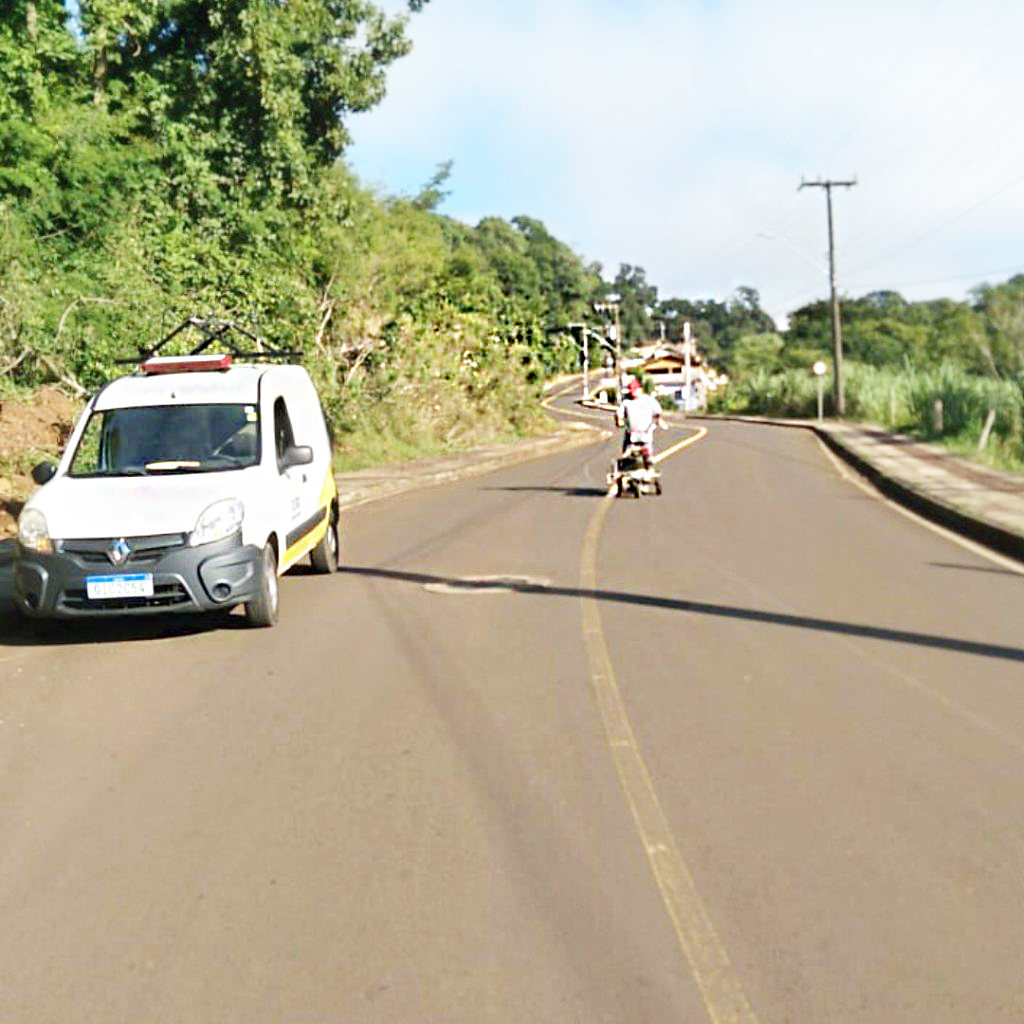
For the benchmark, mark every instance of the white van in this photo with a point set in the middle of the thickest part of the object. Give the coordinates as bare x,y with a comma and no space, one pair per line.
189,486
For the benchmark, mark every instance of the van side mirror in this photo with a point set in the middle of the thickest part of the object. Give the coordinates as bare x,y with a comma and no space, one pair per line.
297,455
43,472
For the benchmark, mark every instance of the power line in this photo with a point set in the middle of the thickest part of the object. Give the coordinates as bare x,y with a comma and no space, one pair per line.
941,225
977,275
949,170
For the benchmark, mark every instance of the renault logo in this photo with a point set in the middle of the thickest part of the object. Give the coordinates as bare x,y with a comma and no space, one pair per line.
118,551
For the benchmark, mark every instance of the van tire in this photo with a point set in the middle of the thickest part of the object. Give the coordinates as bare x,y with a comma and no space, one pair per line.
327,554
262,609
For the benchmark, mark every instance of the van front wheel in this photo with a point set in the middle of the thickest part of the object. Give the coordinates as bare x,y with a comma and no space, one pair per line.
262,609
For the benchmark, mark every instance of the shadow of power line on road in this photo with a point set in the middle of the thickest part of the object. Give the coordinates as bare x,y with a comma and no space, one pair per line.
854,629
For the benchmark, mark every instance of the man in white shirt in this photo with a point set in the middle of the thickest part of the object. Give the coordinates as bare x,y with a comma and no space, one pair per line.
639,413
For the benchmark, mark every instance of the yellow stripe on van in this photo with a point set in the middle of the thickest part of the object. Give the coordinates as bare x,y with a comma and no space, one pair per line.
304,544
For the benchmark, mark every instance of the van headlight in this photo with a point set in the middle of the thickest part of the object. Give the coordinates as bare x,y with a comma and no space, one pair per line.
220,520
33,533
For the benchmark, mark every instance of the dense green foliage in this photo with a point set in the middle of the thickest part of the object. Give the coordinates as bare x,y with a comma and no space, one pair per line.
719,326
170,157
901,359
883,329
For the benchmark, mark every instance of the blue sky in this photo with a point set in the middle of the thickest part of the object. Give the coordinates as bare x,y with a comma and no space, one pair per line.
674,135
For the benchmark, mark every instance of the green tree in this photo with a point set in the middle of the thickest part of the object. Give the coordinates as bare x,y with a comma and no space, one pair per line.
1002,309
637,299
955,334
745,313
507,253
707,318
756,353
566,283
883,329
260,88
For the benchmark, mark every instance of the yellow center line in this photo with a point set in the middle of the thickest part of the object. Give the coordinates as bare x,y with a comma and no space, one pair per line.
680,445
723,995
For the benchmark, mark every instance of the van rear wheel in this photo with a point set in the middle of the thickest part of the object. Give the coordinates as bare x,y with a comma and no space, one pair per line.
326,555
262,609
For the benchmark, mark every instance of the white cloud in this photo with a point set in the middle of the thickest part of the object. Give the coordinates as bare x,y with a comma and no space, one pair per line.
672,134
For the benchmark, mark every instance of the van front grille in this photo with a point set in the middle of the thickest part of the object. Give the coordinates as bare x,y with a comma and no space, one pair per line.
142,551
165,595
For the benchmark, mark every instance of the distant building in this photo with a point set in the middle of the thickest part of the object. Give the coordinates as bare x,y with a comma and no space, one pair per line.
676,369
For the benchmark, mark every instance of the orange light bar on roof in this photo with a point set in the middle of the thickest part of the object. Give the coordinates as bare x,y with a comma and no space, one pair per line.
185,364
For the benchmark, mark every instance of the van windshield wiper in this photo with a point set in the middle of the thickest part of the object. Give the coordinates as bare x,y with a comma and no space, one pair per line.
172,465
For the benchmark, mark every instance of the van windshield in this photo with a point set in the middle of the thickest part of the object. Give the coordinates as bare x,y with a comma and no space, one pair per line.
168,439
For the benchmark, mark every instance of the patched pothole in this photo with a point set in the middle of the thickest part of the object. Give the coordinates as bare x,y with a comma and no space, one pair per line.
489,585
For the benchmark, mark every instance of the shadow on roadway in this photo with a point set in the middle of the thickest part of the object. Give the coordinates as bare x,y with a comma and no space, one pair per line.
18,631
898,636
974,568
569,492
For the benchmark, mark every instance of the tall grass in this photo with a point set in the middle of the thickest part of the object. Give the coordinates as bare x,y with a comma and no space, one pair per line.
903,400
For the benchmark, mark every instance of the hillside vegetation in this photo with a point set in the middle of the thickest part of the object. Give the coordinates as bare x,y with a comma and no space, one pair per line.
174,157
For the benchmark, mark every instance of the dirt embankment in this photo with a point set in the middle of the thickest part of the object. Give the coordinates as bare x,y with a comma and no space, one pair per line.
36,427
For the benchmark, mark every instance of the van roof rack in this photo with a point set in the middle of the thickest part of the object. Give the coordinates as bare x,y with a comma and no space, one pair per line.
217,331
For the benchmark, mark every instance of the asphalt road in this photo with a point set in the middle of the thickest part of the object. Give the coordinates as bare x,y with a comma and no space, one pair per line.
751,751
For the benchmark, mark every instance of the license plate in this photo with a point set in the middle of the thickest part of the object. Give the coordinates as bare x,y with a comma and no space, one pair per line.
137,584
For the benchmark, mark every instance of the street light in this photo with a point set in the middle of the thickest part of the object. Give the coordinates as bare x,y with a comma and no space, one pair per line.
581,335
658,318
579,331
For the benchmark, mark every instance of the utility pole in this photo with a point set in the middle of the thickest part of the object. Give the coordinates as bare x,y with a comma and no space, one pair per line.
837,331
686,351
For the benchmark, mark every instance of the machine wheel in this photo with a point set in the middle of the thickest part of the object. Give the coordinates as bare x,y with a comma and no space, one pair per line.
634,486
657,487
326,555
262,609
